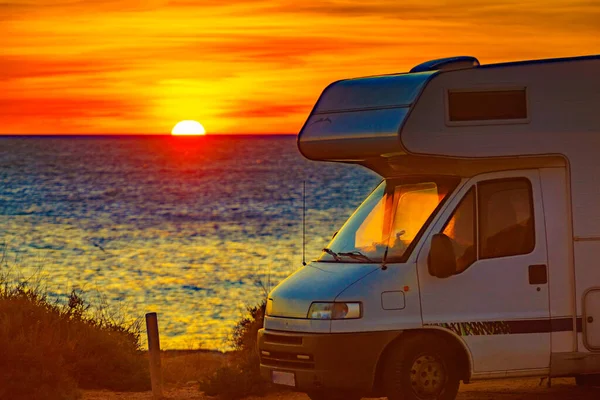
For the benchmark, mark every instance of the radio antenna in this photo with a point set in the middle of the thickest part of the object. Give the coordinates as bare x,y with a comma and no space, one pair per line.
304,223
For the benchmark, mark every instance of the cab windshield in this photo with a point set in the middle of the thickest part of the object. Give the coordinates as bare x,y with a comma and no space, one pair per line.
389,222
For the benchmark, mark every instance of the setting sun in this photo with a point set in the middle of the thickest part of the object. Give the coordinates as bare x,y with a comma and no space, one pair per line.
188,128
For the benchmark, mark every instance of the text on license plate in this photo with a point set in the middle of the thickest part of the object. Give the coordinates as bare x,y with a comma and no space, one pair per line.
284,378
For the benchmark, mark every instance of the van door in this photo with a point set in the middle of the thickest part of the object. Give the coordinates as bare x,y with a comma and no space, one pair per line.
497,300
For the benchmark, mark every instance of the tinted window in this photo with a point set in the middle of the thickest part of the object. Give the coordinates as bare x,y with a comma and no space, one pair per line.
487,105
460,228
506,226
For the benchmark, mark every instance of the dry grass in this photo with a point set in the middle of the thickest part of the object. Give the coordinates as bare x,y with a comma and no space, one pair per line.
189,367
49,350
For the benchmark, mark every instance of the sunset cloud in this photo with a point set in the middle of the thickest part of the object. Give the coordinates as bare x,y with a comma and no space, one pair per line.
139,66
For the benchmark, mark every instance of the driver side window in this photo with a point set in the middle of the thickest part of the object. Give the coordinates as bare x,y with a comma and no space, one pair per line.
493,220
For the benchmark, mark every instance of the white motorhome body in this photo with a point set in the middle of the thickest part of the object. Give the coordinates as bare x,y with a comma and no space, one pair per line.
484,235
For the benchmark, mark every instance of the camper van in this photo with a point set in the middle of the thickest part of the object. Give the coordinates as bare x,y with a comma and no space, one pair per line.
478,254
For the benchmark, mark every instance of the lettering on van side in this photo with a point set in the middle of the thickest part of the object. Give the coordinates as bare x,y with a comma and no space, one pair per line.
479,328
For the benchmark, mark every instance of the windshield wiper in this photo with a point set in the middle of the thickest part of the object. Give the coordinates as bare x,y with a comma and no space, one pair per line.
357,255
332,254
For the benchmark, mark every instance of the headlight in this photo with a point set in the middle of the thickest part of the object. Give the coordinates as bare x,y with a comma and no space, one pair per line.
334,311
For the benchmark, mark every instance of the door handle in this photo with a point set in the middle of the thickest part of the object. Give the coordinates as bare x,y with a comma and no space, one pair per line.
538,274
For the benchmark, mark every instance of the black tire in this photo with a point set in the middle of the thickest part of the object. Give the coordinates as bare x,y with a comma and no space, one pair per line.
332,395
421,368
588,380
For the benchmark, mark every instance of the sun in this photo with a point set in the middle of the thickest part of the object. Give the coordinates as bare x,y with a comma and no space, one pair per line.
188,127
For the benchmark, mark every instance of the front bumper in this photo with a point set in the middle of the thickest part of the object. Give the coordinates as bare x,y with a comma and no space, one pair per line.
344,361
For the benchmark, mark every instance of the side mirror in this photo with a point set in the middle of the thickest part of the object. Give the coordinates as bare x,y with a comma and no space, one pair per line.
441,261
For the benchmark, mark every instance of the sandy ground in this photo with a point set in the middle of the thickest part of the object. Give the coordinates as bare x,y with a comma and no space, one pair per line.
522,389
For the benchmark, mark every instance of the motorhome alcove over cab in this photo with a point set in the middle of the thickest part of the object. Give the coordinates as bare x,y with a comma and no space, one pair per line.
478,255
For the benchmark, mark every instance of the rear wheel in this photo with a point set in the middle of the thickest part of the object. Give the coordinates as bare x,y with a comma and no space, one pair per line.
332,395
588,380
421,368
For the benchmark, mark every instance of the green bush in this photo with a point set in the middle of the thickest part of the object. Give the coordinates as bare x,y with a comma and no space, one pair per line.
49,350
241,376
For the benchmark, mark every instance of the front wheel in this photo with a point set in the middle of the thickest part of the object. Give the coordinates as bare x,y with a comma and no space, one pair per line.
332,395
421,368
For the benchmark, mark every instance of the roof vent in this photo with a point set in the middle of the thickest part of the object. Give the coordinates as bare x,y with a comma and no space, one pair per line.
447,64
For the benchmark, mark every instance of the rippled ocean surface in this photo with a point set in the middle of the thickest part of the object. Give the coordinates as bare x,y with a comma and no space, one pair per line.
182,226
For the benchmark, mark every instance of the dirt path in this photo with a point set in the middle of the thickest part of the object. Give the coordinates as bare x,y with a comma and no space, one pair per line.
523,389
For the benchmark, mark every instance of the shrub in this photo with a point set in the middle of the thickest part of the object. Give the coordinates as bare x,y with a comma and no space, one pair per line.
240,377
245,331
32,366
49,350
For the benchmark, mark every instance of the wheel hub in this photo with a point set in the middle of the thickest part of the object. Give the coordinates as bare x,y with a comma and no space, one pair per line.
427,377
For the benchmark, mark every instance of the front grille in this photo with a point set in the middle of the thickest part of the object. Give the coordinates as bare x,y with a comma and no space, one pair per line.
283,339
286,360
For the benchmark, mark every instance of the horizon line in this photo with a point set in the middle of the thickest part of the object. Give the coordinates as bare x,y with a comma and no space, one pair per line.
138,134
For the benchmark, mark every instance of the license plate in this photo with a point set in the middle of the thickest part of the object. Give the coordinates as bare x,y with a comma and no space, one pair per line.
284,378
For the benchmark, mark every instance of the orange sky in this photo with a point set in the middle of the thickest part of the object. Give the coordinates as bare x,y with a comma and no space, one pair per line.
243,66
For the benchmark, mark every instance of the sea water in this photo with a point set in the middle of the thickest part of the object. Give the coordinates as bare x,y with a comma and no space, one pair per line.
193,228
